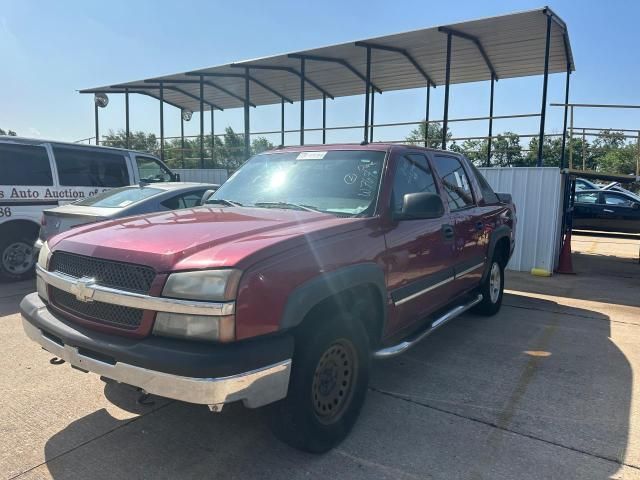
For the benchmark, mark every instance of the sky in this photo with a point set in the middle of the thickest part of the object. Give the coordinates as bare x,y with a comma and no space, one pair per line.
50,50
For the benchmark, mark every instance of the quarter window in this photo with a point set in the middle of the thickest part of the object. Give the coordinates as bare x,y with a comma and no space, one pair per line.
79,167
186,200
24,165
413,175
455,181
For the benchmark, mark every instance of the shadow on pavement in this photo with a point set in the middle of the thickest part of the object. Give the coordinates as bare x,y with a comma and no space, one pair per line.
537,391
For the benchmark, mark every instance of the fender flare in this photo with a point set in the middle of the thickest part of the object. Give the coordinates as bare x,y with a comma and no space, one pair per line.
501,232
312,292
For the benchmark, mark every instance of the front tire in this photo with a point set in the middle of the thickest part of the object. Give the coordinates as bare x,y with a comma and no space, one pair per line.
492,289
17,257
328,385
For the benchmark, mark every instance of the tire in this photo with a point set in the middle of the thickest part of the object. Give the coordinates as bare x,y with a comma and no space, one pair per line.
324,398
17,258
492,288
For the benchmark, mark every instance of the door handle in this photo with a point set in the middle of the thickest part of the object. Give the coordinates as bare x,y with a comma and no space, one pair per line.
448,232
606,210
479,226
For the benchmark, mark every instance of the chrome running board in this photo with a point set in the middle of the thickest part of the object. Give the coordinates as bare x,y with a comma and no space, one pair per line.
416,337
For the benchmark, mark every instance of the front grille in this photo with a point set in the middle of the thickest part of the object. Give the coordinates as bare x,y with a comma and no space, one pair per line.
99,312
108,273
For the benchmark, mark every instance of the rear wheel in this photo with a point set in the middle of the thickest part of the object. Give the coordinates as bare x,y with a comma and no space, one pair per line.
17,257
492,288
328,384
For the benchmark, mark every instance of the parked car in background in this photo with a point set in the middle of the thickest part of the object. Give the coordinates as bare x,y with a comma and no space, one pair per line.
122,202
307,262
606,210
38,174
584,184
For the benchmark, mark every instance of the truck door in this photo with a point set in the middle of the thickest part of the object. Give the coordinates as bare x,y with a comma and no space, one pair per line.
470,245
419,258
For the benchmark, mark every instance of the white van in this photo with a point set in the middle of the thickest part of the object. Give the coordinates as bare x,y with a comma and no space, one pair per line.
37,174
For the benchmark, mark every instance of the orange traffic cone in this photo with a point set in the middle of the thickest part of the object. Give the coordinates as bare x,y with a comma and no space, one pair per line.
565,265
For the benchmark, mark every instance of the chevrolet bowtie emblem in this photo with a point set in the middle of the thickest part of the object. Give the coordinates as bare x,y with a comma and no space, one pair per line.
83,289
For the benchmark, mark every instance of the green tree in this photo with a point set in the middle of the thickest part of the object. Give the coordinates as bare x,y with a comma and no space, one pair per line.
260,144
10,133
141,141
417,135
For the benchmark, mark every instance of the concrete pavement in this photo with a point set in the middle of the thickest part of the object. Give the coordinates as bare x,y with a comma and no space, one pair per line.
544,389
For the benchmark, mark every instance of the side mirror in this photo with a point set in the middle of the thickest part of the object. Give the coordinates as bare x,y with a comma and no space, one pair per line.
175,177
420,205
206,196
635,206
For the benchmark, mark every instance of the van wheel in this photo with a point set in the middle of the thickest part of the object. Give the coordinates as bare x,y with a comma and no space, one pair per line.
17,257
327,388
492,289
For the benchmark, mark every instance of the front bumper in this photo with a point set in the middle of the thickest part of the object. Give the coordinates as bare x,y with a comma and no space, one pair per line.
189,371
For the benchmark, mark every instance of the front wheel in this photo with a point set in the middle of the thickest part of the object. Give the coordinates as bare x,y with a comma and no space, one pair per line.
329,379
492,289
17,257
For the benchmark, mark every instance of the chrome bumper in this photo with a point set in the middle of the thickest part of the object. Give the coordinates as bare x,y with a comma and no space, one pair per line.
254,388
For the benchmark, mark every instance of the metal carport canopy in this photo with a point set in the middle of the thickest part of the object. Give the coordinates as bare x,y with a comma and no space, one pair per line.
511,45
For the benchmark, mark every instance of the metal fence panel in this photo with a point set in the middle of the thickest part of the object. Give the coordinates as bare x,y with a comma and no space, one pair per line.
207,175
537,194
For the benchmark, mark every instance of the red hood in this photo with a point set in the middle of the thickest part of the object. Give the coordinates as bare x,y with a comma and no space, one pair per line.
199,238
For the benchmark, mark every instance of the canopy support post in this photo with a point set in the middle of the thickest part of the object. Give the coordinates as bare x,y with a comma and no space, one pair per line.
213,142
366,100
162,121
247,140
566,108
181,139
97,123
543,110
302,81
426,118
445,117
282,121
126,114
324,119
201,121
493,82
373,97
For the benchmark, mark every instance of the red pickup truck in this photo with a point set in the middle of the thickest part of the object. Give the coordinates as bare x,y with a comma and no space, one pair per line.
306,264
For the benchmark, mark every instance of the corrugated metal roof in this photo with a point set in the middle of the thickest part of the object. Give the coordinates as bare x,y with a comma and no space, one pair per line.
514,45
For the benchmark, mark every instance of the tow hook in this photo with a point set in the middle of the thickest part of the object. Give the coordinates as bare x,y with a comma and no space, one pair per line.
56,361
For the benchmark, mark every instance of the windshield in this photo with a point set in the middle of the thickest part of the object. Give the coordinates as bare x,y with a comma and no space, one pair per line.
119,197
339,181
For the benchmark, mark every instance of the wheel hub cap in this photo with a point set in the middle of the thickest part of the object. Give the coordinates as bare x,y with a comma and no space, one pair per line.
494,282
17,258
333,381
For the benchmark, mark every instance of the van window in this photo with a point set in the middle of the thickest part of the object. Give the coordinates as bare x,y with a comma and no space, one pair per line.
151,170
79,167
24,165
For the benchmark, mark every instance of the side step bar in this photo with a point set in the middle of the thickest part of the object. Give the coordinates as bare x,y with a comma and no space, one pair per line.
416,337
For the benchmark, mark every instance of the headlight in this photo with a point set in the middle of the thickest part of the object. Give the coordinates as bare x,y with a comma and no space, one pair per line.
206,285
43,260
195,327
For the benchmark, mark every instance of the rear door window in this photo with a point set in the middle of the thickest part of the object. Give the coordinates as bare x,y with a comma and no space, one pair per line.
455,181
488,194
24,165
90,168
151,170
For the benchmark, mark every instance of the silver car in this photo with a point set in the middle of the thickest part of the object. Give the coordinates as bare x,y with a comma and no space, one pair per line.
122,202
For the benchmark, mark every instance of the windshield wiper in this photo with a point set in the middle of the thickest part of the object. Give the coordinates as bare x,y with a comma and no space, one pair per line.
295,206
222,201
